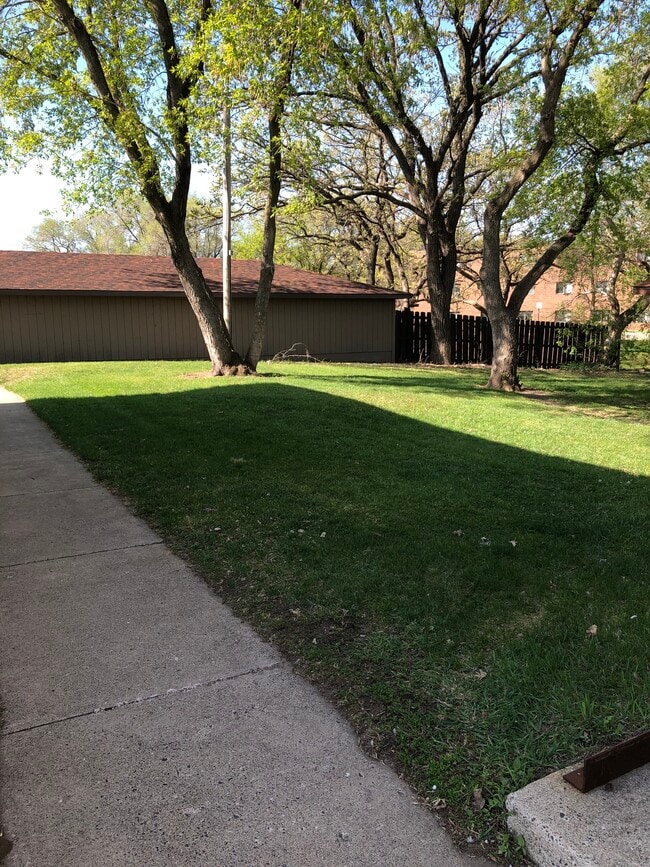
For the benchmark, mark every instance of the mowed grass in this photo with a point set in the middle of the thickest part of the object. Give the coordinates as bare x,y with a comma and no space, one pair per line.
430,553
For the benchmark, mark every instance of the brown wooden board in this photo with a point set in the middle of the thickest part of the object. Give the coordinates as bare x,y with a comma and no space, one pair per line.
611,763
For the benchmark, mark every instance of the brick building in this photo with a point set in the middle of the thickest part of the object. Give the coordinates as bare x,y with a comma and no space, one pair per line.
555,297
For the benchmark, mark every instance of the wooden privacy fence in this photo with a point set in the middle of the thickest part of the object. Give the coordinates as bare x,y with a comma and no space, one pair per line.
541,344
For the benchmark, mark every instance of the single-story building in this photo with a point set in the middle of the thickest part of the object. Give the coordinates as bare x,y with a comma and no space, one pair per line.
99,307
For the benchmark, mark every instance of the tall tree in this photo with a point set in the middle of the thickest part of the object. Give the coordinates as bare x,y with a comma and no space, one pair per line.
600,127
424,72
131,84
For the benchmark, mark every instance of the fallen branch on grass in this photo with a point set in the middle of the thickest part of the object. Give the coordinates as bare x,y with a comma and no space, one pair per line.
292,354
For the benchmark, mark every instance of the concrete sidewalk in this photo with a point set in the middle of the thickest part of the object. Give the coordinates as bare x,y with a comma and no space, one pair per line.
144,724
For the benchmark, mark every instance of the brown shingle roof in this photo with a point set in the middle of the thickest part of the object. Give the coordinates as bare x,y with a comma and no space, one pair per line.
104,274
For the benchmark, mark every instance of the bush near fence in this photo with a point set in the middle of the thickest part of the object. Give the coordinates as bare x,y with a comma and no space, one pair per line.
541,344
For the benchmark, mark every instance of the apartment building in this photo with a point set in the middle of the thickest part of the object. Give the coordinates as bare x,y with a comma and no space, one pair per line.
555,297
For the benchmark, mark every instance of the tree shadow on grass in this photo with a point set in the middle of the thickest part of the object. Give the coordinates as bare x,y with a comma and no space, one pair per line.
438,585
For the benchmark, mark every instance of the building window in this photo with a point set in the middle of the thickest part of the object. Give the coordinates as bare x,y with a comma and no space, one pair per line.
563,288
562,315
525,315
455,292
599,317
602,287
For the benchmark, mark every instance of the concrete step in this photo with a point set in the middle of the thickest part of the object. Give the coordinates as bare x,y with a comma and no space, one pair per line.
607,827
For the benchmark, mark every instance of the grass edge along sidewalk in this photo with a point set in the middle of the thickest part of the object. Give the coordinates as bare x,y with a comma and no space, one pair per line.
431,554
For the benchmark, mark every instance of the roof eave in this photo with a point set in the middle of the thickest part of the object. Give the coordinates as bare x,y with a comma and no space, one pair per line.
178,293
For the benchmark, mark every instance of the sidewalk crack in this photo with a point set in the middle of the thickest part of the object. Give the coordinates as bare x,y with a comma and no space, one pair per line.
57,491
178,690
81,554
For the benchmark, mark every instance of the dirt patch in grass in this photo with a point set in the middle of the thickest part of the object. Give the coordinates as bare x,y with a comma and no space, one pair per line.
197,374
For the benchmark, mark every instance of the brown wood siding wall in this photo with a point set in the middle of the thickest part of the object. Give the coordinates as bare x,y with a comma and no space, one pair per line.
335,329
93,328
113,328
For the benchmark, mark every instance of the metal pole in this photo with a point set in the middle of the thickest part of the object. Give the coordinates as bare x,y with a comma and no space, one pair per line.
226,252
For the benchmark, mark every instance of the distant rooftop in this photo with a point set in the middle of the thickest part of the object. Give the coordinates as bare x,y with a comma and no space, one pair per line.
105,274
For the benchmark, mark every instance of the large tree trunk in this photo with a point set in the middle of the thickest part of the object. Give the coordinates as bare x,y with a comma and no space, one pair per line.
503,318
439,298
254,353
225,360
613,342
503,374
441,328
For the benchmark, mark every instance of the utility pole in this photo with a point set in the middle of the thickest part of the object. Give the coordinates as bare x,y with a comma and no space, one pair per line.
226,252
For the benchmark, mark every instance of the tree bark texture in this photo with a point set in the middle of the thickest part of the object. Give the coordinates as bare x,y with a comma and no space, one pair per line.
441,327
503,374
223,357
503,318
439,295
613,344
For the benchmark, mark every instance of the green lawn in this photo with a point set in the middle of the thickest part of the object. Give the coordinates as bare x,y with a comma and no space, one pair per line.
432,554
